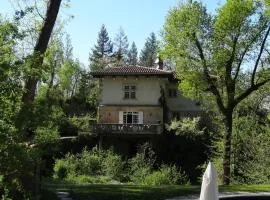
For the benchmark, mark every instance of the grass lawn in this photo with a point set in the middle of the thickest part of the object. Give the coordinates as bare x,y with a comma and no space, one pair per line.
133,192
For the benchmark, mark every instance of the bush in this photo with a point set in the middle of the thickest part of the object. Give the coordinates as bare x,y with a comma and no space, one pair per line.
64,167
90,162
81,123
142,164
112,166
79,179
166,175
104,166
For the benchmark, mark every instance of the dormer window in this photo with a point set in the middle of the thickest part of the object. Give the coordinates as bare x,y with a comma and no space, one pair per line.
129,91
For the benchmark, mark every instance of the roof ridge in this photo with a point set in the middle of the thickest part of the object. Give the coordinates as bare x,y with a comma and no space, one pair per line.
144,67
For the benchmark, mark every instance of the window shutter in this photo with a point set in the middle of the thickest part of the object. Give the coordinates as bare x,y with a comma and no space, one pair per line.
140,117
120,117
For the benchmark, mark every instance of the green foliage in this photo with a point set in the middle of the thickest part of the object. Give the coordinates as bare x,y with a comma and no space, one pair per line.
142,163
197,40
81,123
120,47
79,179
90,163
132,55
104,166
69,74
166,175
212,53
251,149
149,52
65,167
186,126
112,166
101,51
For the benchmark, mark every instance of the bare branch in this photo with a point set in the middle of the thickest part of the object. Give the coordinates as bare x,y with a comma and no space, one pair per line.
35,5
212,87
230,85
259,56
251,89
246,50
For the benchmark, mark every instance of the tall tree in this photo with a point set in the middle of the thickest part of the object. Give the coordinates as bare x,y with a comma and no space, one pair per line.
149,51
41,45
102,51
213,52
120,47
132,55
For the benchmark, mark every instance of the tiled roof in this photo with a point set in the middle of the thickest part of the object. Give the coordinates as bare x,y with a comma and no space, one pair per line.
131,71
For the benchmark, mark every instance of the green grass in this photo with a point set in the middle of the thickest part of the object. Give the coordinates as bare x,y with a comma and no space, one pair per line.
134,192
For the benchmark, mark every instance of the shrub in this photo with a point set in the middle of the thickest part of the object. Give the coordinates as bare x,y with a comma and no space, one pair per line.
112,165
166,175
64,167
90,162
81,123
79,179
142,164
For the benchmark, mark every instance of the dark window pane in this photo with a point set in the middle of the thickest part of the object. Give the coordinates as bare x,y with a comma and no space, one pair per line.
129,119
133,95
126,96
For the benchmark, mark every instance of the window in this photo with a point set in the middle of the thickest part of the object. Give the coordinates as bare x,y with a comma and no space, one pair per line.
131,117
172,93
129,91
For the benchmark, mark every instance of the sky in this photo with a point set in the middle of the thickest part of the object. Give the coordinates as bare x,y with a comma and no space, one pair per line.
138,18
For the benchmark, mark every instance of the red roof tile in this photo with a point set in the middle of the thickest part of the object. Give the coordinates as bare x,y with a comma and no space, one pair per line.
131,71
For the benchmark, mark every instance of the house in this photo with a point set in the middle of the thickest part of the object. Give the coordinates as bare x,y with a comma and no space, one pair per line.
139,100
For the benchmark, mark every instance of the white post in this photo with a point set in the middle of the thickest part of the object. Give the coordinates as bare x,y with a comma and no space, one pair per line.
209,189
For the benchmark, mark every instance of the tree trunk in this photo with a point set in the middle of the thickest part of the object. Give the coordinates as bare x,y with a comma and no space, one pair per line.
40,48
227,147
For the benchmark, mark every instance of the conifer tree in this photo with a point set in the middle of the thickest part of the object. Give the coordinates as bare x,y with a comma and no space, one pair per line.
101,51
121,47
149,52
133,55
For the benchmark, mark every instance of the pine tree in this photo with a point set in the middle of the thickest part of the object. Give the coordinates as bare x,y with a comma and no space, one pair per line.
132,55
102,51
149,52
121,47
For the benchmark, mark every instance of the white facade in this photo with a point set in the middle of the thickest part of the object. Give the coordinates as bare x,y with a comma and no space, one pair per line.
147,90
144,100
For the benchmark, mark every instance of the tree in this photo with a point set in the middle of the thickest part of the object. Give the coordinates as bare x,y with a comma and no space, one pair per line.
132,55
40,48
149,52
214,52
101,51
120,47
69,77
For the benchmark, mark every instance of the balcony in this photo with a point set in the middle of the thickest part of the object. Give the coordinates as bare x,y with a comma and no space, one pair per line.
128,128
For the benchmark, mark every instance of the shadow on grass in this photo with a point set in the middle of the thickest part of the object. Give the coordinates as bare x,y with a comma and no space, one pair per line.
119,192
134,192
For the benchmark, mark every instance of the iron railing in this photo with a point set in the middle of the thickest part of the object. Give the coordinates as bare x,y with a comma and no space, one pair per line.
127,128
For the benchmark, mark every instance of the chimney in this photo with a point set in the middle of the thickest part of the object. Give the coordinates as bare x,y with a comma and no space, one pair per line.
159,63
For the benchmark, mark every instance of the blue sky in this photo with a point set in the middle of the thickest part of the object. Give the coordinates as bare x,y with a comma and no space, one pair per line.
138,18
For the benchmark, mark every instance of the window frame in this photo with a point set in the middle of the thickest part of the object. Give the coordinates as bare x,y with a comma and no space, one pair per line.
129,91
134,117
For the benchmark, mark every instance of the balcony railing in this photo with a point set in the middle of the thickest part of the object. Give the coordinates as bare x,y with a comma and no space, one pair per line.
128,128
